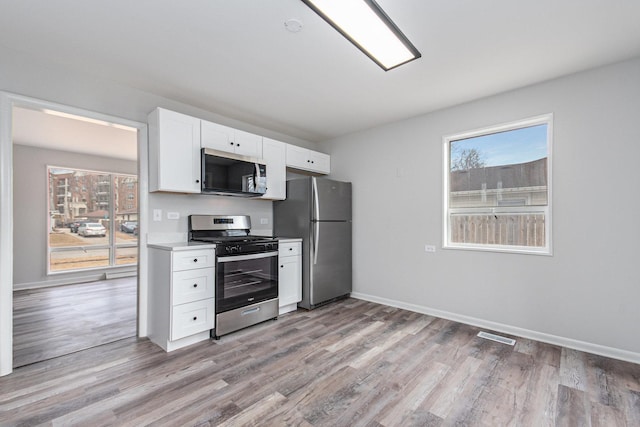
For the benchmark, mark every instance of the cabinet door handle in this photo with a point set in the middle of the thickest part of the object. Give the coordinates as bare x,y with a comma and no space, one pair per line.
290,249
195,318
195,260
197,181
282,266
231,143
195,285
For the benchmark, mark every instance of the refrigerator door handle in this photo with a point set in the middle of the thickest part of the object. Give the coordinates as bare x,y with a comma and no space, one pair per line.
316,203
316,237
316,225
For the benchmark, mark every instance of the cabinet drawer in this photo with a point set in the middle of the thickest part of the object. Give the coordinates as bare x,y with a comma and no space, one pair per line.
193,285
191,318
288,249
198,258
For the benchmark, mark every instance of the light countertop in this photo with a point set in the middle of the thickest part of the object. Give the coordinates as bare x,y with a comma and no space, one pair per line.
185,246
181,246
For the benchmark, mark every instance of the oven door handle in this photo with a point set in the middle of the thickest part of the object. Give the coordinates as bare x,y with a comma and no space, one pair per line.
246,257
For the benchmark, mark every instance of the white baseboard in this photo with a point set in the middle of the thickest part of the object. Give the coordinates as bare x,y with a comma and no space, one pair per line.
84,278
57,282
587,347
120,274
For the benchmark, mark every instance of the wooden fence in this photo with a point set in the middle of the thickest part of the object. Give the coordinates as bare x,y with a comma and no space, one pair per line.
500,229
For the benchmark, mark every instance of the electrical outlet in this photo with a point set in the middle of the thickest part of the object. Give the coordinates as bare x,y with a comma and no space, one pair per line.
173,215
429,248
157,214
264,221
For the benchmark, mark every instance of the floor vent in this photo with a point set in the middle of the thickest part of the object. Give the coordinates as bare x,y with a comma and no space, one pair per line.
497,338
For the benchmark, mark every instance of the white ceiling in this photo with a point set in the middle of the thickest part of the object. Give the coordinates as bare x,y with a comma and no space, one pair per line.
77,135
235,57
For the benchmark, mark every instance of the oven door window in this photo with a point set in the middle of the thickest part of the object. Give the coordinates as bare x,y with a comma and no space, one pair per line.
246,279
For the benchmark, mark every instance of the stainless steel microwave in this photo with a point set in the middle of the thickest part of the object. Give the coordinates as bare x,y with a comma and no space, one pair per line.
232,174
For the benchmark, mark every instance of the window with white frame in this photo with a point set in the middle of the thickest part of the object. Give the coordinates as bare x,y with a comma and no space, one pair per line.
497,193
72,247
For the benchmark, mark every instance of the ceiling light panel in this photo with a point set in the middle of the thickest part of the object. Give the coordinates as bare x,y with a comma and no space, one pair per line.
369,28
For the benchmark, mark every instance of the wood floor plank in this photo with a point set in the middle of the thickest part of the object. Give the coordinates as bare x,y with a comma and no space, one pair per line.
414,392
350,363
540,407
452,386
605,416
572,369
573,407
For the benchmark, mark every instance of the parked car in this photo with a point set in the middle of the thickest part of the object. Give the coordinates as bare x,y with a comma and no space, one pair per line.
135,230
128,226
92,229
73,227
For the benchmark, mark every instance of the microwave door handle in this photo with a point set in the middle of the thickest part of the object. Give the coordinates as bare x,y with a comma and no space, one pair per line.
256,176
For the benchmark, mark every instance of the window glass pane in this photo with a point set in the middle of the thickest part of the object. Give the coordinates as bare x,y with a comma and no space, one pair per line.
126,192
500,169
127,232
78,258
520,229
128,255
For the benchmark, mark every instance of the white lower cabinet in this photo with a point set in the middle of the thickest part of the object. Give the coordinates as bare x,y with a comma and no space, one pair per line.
290,274
181,295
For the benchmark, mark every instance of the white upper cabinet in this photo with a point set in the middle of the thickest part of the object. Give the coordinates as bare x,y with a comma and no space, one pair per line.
308,160
225,138
175,142
174,152
274,154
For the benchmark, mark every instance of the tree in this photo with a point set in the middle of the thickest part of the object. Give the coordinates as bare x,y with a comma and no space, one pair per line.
466,158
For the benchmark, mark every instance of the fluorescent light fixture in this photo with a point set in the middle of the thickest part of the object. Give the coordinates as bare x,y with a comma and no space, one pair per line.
87,119
366,25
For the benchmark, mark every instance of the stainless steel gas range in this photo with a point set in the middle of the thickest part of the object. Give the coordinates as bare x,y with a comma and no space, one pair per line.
246,271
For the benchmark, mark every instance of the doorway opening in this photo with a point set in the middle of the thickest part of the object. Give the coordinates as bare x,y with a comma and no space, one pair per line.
73,288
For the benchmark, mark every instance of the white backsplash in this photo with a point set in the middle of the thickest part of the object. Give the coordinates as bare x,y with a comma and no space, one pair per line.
176,230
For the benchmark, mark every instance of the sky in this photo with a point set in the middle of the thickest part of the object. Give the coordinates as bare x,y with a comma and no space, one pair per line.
509,147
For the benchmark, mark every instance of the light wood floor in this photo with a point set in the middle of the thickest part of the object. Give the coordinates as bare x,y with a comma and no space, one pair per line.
352,363
51,322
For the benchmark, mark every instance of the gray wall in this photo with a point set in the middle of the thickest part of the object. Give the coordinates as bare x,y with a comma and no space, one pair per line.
588,291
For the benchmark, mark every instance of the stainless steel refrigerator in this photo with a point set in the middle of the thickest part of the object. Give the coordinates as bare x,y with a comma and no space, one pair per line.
319,211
